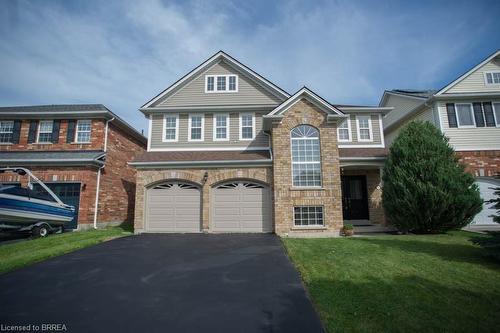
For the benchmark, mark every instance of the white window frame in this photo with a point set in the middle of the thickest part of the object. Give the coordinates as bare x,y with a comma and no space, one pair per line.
320,162
358,129
241,125
492,78
38,131
497,120
202,126
472,113
228,119
348,119
314,226
77,131
216,90
11,132
164,131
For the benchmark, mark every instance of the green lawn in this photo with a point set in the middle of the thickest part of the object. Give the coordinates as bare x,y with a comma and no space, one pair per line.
395,283
23,253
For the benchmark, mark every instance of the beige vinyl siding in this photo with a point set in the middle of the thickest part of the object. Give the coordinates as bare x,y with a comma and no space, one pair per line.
475,138
193,93
402,106
374,118
424,115
261,139
475,81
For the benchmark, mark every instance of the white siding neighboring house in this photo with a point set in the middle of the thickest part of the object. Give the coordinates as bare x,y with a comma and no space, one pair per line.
467,111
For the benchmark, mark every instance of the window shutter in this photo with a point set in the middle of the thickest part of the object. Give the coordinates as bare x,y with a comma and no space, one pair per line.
478,114
32,131
55,131
452,117
16,133
488,114
71,131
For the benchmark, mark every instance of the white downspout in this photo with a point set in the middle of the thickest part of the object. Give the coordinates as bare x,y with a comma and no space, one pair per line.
96,205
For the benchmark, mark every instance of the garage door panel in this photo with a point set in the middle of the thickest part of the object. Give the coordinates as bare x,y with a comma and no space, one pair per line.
486,189
174,207
241,207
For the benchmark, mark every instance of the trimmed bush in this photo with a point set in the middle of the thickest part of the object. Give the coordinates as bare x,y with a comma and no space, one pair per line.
426,190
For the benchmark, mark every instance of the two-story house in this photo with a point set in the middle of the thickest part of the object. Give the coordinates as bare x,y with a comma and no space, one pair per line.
230,151
467,111
80,152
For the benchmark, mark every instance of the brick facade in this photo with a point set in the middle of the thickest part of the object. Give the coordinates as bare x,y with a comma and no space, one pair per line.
117,185
481,163
97,142
285,195
151,177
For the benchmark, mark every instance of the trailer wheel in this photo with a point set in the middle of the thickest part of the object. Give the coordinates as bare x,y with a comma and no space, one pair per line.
40,231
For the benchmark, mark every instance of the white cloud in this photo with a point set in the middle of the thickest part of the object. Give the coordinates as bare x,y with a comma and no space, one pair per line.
121,54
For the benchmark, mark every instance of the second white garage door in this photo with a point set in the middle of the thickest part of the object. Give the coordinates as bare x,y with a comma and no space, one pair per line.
241,207
173,207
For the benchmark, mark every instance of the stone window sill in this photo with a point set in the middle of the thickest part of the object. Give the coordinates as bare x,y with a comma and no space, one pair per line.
309,228
307,188
6,143
41,143
81,143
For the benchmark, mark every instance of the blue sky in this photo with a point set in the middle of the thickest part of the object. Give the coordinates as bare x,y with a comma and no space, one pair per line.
122,53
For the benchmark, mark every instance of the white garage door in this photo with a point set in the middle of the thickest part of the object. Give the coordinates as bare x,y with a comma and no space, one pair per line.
486,189
173,207
241,207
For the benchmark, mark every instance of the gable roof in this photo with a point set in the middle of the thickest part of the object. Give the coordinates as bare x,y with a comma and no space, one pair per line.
420,94
216,58
69,111
314,98
466,74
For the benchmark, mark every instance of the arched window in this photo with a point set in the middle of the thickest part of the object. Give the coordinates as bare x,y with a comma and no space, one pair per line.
306,156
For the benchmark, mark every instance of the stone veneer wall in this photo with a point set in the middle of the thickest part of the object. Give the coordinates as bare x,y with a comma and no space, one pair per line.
285,195
149,177
374,189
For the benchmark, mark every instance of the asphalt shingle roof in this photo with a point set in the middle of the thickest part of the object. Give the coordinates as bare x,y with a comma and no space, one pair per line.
192,156
20,157
426,93
55,108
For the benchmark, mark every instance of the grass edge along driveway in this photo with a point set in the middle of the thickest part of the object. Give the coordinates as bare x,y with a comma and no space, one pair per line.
27,252
391,283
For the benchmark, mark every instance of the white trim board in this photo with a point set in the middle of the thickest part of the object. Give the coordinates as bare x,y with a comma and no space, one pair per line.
210,149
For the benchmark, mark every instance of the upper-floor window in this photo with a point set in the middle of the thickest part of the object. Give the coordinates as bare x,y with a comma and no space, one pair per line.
170,128
496,108
221,127
6,131
344,130
364,128
83,130
492,78
465,115
247,126
45,128
196,124
221,83
306,156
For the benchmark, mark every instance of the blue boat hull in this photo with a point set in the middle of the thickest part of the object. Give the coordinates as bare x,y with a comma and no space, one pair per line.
26,211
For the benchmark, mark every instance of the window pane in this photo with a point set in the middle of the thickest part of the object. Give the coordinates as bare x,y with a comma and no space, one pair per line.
170,122
343,124
464,114
46,126
308,216
220,133
221,83
195,133
6,131
364,122
196,121
83,137
170,134
246,133
364,134
210,83
232,83
220,121
344,134
83,129
496,77
83,125
496,106
489,78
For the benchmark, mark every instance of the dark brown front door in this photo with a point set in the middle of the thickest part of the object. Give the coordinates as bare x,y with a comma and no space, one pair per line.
354,198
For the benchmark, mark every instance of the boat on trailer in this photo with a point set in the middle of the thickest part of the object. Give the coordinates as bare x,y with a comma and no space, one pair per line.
27,209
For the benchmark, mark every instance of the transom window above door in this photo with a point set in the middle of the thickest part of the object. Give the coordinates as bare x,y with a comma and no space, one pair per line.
221,83
306,156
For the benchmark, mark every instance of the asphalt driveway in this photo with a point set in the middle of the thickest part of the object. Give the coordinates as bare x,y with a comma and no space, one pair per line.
167,283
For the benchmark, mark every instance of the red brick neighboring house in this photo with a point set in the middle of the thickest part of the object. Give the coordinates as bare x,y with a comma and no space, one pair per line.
80,152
